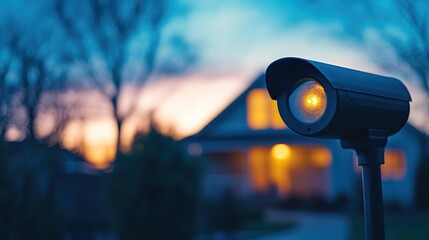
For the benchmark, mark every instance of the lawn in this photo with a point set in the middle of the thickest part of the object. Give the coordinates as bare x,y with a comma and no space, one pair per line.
398,226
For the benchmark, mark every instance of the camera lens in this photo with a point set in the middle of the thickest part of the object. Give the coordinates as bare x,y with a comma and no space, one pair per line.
308,101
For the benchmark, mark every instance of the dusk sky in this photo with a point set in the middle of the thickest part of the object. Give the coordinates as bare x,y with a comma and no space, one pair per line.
121,119
236,40
233,41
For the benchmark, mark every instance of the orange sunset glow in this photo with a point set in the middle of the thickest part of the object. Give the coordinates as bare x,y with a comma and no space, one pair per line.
182,105
170,103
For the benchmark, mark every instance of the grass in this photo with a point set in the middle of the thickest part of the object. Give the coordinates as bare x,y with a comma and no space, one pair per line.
398,226
256,228
252,229
265,226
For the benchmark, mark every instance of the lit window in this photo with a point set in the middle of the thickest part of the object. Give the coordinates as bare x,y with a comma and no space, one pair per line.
320,157
258,166
276,120
394,167
297,170
262,112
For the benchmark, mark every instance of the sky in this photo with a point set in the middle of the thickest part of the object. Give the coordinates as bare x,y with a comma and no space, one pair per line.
234,42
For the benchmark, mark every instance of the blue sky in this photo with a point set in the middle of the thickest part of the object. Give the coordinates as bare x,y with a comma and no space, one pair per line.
236,40
247,34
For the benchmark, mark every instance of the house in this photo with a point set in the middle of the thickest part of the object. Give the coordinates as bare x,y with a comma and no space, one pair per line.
250,150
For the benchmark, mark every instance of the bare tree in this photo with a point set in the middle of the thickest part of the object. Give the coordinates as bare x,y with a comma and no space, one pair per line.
29,62
4,106
53,105
396,33
413,50
103,43
7,91
32,74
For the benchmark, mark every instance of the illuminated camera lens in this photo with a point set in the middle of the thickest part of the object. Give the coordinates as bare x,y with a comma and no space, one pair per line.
308,101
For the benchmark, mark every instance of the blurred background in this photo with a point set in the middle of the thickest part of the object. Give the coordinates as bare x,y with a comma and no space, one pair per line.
149,119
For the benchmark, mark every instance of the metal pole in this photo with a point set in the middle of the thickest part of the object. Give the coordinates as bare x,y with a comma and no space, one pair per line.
370,160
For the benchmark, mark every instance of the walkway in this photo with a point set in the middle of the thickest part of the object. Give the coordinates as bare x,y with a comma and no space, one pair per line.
332,226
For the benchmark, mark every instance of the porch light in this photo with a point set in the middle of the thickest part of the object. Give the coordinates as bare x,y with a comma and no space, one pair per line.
280,151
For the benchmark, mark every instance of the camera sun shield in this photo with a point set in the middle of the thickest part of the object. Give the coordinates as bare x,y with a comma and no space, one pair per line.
327,101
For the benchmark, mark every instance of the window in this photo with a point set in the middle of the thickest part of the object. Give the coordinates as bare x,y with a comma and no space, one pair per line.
291,170
394,167
262,112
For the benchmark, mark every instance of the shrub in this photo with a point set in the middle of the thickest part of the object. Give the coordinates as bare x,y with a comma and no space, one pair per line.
30,196
153,192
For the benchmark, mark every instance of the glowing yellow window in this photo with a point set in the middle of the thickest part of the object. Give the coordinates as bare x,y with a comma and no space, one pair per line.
262,112
259,171
395,166
298,170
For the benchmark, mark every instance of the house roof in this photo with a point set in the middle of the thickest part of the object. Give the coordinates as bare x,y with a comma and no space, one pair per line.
258,83
207,132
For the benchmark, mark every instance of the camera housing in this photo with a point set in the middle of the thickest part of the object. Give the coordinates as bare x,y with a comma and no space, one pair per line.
322,100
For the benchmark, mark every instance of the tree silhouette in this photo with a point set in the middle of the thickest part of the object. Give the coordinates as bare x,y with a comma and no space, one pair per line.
29,68
29,64
4,93
396,33
117,41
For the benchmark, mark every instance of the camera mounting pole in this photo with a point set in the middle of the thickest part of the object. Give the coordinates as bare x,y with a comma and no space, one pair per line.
370,152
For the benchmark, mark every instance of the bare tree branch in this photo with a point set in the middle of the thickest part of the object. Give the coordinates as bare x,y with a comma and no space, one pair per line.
110,28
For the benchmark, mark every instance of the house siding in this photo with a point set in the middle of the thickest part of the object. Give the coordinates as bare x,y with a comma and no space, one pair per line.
229,132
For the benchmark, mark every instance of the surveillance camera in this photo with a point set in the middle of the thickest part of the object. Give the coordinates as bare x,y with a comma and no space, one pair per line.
361,109
321,100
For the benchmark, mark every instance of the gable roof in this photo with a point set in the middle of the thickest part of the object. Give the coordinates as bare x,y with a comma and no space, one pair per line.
259,82
207,131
